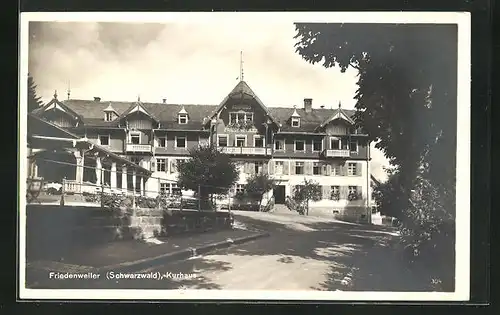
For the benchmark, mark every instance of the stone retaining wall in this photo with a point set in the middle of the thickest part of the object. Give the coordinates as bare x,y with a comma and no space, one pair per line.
54,229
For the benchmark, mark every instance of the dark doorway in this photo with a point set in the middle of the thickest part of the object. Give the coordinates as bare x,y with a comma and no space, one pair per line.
279,194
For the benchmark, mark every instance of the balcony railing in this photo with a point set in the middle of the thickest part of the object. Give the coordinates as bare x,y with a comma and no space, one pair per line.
246,150
130,147
337,153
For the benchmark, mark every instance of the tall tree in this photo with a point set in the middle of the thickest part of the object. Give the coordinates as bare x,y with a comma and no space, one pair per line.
207,172
34,101
407,101
257,185
406,97
307,191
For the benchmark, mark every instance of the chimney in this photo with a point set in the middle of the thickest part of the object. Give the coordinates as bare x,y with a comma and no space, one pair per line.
308,105
164,101
97,99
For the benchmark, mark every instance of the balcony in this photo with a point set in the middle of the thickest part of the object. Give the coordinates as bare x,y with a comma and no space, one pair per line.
144,148
246,150
337,153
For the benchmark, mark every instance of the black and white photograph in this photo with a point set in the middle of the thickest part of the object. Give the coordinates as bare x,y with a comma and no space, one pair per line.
245,156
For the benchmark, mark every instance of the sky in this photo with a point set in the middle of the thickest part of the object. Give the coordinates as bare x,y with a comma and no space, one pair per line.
186,63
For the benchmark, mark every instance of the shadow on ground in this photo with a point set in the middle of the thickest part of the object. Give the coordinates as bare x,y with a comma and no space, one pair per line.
358,258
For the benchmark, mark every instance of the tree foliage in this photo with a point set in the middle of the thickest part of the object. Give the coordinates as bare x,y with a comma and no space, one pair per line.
257,185
208,170
34,101
406,102
307,191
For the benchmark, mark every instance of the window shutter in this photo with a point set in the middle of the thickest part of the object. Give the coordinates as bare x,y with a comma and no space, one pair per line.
326,192
343,191
343,170
173,165
328,169
265,168
308,168
359,190
251,168
153,164
155,141
359,169
292,168
286,166
271,167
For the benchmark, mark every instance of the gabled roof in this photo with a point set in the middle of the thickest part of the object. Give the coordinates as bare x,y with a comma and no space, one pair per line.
182,111
55,104
295,114
338,114
40,127
309,121
138,107
242,89
110,109
165,113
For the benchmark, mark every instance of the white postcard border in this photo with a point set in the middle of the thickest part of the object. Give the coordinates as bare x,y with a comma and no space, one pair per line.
462,284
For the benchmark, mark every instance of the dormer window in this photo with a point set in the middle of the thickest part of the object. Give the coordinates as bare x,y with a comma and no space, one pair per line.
295,119
110,113
108,116
182,116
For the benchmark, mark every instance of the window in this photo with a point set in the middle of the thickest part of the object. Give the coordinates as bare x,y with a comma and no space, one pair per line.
353,193
258,142
222,140
259,167
240,117
335,143
135,160
335,192
183,119
316,168
278,167
203,141
104,140
108,116
162,142
317,145
240,141
279,145
135,138
164,188
298,188
295,122
239,188
161,165
175,189
353,145
299,168
300,145
335,170
180,141
351,169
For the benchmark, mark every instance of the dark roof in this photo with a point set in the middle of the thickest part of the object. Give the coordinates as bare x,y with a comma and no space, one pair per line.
39,126
92,112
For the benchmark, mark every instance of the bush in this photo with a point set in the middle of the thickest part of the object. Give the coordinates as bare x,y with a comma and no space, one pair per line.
428,231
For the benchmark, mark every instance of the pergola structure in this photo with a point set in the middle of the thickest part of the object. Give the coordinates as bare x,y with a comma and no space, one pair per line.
45,138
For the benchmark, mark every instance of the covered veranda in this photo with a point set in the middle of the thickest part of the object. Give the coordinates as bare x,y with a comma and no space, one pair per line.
59,156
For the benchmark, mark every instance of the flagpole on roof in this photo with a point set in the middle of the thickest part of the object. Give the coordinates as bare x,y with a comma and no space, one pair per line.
241,66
